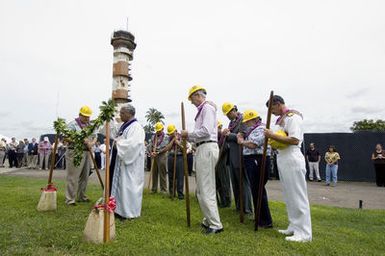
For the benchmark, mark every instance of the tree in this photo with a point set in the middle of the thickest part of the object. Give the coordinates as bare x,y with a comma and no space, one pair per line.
368,125
152,116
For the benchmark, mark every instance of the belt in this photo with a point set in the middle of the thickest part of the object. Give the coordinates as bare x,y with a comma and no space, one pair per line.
203,142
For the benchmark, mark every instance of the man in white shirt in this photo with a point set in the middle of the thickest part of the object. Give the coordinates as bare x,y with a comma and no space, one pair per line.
292,171
205,138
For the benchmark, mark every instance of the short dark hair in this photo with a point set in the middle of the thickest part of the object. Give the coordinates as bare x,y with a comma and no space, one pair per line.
276,99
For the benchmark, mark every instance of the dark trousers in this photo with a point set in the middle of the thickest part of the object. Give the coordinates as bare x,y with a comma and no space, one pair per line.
59,158
148,162
179,175
380,174
222,181
19,160
234,175
253,169
190,160
98,160
12,158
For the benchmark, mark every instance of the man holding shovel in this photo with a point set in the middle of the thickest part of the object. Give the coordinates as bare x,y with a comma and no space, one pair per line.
252,141
204,136
292,170
159,170
77,176
175,162
235,126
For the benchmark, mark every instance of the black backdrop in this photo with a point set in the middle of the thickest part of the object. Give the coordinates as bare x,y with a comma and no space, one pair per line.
355,150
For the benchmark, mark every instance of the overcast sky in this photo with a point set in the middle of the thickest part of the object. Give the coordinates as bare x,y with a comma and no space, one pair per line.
326,58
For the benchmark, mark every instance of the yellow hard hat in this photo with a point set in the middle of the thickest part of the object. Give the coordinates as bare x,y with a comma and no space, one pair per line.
158,126
85,111
227,107
219,123
276,144
195,88
249,115
171,129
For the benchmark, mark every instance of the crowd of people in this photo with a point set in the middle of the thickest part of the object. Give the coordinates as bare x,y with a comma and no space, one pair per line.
30,154
226,160
241,154
223,156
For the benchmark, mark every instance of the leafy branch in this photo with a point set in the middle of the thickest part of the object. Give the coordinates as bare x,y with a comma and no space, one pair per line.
107,113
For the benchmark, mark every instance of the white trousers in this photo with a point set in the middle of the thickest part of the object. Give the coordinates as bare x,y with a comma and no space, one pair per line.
205,159
314,168
103,160
292,171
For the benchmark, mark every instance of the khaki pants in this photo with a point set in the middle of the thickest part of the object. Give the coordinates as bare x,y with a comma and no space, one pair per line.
205,159
32,161
44,161
25,160
77,177
2,154
160,169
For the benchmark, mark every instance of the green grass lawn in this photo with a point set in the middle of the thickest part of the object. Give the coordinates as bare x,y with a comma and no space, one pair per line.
162,228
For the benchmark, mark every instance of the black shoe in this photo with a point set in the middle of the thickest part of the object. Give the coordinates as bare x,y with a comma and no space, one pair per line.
204,226
210,231
319,180
121,218
228,205
266,226
71,204
86,200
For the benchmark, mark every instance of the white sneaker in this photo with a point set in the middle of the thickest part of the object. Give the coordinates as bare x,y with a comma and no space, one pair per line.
297,238
286,232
